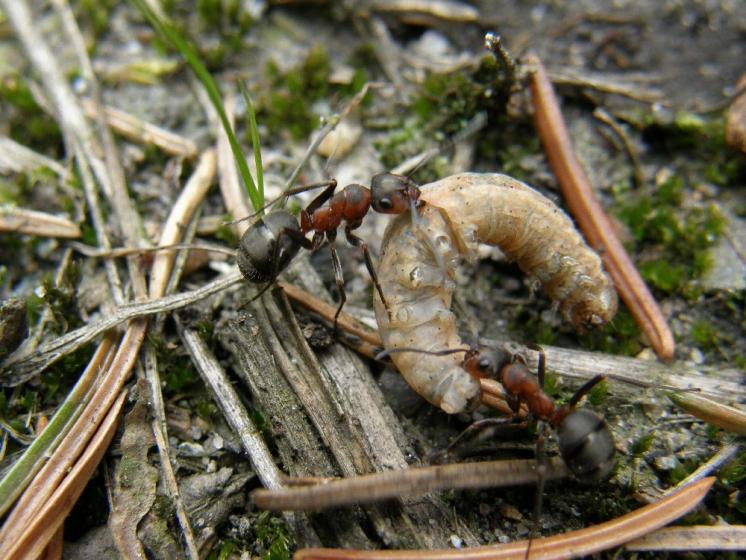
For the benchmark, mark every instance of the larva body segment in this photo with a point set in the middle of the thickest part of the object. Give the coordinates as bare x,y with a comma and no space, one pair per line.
462,211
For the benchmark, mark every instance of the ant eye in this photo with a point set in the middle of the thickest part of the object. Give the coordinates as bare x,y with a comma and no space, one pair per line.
485,364
386,204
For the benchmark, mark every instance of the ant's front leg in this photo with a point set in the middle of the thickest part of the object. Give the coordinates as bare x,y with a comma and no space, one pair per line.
358,242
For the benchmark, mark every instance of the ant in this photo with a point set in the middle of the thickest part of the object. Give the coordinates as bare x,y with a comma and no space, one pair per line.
585,442
270,244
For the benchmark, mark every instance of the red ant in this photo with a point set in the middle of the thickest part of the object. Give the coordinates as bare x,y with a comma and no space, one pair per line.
271,243
585,442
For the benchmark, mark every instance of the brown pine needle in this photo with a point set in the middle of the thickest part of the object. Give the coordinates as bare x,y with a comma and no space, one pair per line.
567,545
590,216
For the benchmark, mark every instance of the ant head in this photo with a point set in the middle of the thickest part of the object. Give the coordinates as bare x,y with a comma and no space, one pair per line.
391,194
586,445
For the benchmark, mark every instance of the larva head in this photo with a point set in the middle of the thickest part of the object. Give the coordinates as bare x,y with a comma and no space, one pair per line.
586,445
393,194
259,257
592,306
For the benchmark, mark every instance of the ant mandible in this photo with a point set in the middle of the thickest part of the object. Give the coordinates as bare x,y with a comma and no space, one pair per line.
270,244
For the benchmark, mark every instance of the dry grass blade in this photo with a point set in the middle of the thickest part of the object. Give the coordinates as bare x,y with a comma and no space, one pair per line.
409,482
712,412
78,441
590,216
568,545
32,537
143,132
33,222
719,537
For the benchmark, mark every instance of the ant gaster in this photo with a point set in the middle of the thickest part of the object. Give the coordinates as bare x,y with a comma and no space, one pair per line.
271,243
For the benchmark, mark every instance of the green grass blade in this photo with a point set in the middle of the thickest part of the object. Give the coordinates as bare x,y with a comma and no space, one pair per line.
172,35
254,131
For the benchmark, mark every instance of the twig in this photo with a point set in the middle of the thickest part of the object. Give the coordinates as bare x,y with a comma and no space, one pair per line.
234,411
604,116
725,454
590,216
33,222
572,544
22,367
17,158
19,475
143,132
408,482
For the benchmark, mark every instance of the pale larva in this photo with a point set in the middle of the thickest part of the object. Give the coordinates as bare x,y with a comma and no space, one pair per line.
418,264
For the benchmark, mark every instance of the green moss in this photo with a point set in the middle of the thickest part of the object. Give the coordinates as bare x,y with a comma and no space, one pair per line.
94,14
446,103
176,371
599,394
671,232
621,336
526,322
286,105
273,536
27,123
705,335
642,445
225,550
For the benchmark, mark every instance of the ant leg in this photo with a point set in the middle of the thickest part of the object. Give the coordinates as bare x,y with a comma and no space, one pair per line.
584,390
541,370
504,425
338,278
325,195
541,471
358,242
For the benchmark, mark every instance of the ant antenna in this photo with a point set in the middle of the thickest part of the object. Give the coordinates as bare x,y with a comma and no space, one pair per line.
445,352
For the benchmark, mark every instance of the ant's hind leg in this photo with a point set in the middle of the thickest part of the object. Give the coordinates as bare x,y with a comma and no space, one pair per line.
469,441
358,242
541,369
339,279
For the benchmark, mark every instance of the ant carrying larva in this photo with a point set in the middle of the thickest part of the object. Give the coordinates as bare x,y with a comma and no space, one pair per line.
271,243
459,212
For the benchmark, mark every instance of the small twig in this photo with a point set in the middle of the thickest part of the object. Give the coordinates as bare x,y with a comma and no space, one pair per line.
604,85
590,216
725,454
17,158
402,483
143,132
630,373
31,537
572,544
325,130
22,367
234,411
604,116
33,222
